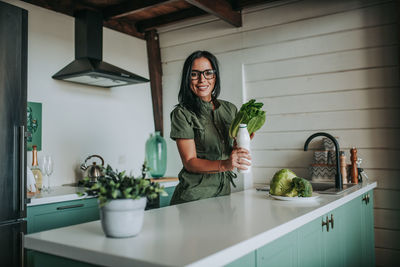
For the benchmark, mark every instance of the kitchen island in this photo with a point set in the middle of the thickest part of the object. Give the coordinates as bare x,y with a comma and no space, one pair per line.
246,227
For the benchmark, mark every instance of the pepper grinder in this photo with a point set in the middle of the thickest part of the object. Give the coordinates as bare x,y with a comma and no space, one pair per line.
354,170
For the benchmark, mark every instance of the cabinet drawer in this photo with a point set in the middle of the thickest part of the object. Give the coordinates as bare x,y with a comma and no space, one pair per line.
55,215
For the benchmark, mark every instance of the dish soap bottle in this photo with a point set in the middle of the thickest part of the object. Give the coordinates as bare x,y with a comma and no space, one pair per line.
243,141
37,173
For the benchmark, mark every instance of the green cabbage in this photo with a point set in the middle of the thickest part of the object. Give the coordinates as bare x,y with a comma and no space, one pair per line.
251,114
281,183
286,183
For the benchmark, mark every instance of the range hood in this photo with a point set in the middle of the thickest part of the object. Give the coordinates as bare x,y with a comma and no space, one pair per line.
88,67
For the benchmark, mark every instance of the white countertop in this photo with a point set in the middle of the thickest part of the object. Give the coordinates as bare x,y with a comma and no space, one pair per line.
58,194
68,193
209,232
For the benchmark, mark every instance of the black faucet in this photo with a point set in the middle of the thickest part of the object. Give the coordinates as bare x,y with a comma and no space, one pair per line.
338,176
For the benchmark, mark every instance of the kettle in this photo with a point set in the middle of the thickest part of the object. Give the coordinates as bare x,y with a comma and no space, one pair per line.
93,171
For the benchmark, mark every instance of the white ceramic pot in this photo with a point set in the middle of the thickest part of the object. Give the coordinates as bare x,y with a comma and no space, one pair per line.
122,217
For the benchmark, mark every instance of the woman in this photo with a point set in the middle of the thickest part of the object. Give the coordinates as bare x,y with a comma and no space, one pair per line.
200,126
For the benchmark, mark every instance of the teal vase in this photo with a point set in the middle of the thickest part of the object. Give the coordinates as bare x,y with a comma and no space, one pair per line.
156,155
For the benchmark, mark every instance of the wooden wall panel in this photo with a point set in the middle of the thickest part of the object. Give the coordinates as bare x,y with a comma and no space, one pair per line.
387,219
372,158
331,120
373,138
316,64
387,199
333,101
387,239
380,77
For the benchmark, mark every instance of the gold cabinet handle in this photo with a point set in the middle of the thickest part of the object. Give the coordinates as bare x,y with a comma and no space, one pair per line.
325,223
331,221
365,199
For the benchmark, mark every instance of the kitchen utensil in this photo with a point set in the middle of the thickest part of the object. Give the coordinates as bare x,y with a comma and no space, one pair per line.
93,171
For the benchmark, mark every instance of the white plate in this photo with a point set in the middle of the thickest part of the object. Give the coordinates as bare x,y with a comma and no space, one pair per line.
296,199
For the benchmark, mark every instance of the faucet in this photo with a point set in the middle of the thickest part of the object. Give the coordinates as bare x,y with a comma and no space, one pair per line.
338,176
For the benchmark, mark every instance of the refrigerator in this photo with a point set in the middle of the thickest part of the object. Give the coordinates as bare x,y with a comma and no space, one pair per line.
13,101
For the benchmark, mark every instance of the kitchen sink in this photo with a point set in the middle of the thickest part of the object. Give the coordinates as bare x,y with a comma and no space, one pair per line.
329,188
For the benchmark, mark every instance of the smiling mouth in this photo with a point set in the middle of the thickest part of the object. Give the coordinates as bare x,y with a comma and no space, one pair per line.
202,88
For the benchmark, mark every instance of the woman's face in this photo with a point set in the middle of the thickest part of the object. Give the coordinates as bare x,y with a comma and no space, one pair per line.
201,86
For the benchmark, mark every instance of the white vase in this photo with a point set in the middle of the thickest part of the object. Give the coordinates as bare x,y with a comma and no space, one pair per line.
122,217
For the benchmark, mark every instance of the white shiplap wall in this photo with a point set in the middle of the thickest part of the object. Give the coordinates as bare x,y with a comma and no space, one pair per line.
318,66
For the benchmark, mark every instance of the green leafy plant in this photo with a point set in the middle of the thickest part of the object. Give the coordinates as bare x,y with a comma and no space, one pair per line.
251,114
117,185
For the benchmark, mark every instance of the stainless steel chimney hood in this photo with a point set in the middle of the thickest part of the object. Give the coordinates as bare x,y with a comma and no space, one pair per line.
88,67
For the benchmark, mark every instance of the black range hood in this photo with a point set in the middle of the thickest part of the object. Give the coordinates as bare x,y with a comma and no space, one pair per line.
88,67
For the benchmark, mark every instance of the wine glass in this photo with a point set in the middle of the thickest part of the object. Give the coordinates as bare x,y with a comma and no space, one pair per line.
48,168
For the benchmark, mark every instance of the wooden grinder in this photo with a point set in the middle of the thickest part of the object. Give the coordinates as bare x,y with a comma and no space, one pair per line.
353,170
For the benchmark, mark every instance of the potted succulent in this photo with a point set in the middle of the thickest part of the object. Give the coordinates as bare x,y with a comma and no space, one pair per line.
122,200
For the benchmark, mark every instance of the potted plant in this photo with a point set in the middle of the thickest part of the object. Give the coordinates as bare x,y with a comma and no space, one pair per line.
122,200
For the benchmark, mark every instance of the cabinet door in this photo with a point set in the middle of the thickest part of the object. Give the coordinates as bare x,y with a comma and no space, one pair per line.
310,244
281,252
332,249
352,232
50,216
367,228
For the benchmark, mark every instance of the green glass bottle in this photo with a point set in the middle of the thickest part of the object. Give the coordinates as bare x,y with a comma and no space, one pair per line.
156,155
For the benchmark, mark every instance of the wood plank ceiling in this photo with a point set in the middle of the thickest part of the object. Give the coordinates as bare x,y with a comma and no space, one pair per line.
137,17
141,18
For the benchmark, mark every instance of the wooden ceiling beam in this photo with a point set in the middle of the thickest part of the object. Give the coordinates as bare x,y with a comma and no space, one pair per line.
220,8
124,27
150,24
64,7
155,71
132,7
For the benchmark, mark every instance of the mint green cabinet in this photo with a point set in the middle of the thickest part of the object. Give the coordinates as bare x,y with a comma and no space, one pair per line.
310,244
55,215
165,201
281,252
332,250
367,227
352,234
320,241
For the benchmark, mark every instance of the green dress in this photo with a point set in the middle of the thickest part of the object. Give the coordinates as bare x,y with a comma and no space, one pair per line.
210,132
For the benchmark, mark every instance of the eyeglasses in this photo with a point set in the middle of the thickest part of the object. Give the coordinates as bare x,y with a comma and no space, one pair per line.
208,74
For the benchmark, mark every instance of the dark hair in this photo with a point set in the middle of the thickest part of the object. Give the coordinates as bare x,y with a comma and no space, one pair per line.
186,97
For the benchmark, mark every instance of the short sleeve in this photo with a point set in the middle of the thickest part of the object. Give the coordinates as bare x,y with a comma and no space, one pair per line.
180,125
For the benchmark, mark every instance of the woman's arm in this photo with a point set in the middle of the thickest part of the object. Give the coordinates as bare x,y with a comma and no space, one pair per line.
187,151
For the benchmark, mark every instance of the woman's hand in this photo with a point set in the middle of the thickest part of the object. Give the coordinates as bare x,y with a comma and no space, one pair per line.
239,158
